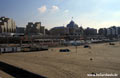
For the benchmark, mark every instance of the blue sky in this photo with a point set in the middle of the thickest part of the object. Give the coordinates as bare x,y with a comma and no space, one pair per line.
88,13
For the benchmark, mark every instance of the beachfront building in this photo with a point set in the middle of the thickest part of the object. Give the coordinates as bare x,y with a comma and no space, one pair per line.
71,32
119,30
20,29
102,31
7,25
47,32
72,28
90,31
59,31
35,28
111,32
114,30
74,31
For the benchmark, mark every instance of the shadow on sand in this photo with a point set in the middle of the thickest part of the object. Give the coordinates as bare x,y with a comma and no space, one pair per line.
18,72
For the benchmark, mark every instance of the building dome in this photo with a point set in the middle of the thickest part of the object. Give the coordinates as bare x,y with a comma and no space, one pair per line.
72,25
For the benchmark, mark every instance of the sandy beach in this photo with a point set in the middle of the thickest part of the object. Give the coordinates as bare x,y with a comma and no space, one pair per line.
101,58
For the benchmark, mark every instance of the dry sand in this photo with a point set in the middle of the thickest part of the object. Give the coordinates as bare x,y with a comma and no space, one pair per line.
4,75
53,64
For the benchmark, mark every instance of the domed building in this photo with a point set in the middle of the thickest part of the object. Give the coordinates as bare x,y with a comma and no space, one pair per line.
72,28
70,32
72,25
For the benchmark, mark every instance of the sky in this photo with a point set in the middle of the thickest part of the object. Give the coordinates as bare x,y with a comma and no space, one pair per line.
52,13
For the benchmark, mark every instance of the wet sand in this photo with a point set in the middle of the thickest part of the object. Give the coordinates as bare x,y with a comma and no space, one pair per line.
101,58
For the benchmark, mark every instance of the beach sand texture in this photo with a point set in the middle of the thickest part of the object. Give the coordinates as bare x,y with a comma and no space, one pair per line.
101,58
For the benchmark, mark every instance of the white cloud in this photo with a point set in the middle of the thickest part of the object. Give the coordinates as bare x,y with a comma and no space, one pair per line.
42,9
54,8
